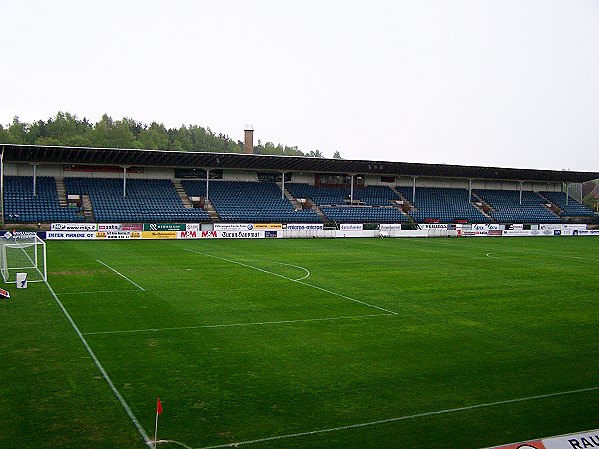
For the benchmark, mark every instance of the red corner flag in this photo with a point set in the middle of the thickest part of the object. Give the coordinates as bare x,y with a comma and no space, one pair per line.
158,412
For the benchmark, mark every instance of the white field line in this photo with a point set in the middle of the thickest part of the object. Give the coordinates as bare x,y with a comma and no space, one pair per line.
116,392
549,256
515,253
402,418
294,280
121,275
213,326
96,292
286,264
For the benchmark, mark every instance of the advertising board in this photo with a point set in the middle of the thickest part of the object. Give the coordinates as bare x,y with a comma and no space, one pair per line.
164,227
159,235
351,227
264,226
303,226
71,235
73,227
233,226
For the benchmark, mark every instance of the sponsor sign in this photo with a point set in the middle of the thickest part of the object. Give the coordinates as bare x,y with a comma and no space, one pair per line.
270,234
117,235
29,235
208,235
494,227
303,227
432,226
259,226
233,226
351,227
132,227
110,227
240,234
188,234
580,440
70,235
159,235
192,227
73,226
582,227
390,227
164,227
550,226
586,232
495,233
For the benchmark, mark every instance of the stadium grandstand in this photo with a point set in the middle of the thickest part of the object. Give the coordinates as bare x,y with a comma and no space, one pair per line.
62,184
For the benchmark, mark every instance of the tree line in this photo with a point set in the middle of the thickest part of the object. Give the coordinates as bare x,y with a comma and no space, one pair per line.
67,129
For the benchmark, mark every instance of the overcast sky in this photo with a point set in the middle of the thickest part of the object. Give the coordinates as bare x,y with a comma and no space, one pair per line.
509,83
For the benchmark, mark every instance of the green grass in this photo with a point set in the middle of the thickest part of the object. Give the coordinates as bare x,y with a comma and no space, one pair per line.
243,353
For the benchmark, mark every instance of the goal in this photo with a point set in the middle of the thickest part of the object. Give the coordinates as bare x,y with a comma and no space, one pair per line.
23,255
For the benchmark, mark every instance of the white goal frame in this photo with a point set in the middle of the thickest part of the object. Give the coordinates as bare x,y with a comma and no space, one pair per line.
23,255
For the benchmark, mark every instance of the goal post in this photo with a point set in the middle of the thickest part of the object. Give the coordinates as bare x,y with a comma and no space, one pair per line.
23,255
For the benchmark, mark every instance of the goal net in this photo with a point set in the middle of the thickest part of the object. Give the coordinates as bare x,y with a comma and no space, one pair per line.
23,255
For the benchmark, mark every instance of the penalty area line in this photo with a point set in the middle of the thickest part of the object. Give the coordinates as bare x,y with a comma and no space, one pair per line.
121,275
214,326
294,280
402,418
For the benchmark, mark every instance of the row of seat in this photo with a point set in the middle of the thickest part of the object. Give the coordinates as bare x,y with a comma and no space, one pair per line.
158,199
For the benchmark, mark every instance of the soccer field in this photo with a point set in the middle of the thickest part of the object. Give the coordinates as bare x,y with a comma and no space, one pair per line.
336,343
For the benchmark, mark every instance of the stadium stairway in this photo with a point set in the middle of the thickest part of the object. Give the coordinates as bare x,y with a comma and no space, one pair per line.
88,210
291,198
182,194
61,191
316,208
484,208
209,207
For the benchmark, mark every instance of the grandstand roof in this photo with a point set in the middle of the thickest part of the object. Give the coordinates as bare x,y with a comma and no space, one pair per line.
36,154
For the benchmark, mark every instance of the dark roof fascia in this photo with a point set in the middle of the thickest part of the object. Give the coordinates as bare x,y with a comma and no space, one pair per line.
35,154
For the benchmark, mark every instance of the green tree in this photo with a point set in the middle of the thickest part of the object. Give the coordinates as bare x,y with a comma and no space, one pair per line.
314,153
337,155
108,133
18,132
154,138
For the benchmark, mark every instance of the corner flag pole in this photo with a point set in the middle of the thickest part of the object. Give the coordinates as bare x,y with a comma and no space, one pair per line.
158,412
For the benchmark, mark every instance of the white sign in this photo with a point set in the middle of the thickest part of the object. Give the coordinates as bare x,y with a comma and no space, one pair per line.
303,227
581,440
233,226
432,226
110,227
74,226
62,235
351,227
21,280
390,227
192,227
240,234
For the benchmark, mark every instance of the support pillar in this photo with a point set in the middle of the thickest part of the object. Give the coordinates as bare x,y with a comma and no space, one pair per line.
521,183
34,180
124,181
414,191
207,184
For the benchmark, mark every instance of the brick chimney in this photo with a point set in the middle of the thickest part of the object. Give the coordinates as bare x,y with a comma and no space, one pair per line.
249,139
